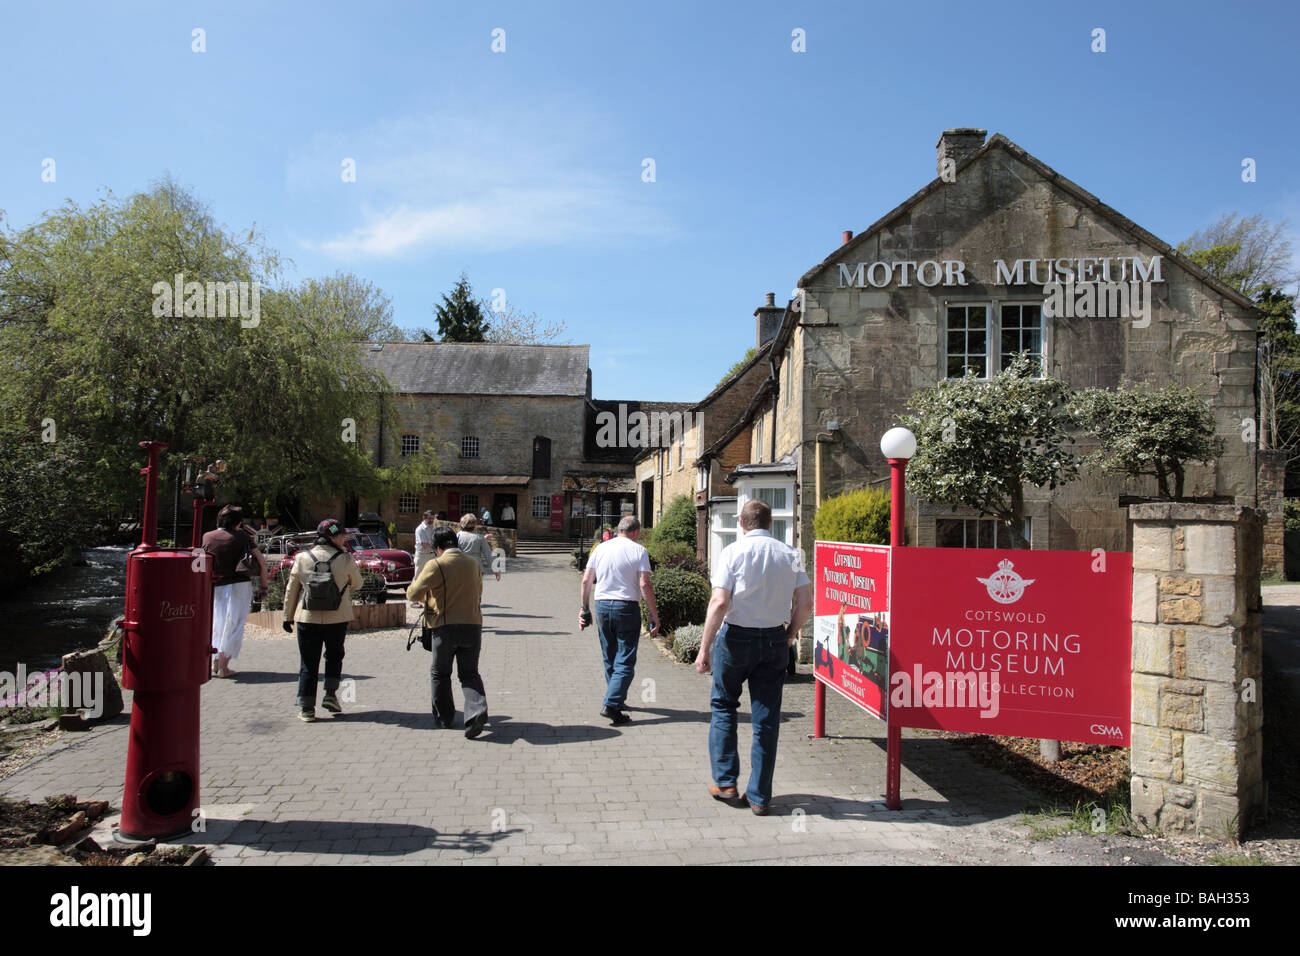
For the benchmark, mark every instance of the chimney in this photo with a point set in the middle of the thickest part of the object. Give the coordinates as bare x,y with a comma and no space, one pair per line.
768,319
957,144
848,234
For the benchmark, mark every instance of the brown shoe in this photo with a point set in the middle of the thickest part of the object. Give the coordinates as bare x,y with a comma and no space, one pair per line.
722,793
758,811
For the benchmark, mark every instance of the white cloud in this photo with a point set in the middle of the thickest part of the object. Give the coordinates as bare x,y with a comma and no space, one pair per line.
504,176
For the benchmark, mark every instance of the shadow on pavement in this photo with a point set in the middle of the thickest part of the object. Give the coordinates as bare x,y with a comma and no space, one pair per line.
502,729
363,839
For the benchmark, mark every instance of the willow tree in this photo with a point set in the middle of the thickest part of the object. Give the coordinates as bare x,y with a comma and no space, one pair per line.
89,343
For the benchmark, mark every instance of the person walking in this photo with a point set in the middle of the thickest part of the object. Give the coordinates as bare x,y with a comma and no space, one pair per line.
325,577
616,572
235,559
450,588
761,598
470,542
423,545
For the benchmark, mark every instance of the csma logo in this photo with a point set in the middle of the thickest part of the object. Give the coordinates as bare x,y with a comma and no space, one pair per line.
1106,730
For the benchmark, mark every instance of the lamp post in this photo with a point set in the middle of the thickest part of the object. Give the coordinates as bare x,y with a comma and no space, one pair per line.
601,484
898,445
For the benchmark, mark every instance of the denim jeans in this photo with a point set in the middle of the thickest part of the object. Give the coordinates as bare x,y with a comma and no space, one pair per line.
311,638
619,626
462,643
759,656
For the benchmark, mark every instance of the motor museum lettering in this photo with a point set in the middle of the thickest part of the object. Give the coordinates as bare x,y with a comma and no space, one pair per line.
906,273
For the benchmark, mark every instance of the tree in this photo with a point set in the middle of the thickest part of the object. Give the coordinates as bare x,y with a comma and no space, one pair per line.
1279,373
1246,254
979,442
1147,431
460,318
88,342
510,326
741,363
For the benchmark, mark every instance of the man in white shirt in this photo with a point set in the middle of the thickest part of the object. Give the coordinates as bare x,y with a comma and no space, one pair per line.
423,547
761,598
507,516
617,570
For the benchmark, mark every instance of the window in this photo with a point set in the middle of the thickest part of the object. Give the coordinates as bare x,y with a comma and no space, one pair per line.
681,449
469,446
541,506
469,503
1022,331
723,530
976,533
789,375
758,440
775,497
968,340
408,503
410,445
780,498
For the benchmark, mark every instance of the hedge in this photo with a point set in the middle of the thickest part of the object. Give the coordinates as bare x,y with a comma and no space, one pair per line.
682,597
860,516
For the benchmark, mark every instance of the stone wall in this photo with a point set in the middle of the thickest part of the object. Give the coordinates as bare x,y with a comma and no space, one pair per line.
1197,736
1272,501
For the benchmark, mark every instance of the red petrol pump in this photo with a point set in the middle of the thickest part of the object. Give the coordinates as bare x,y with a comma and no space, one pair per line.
166,659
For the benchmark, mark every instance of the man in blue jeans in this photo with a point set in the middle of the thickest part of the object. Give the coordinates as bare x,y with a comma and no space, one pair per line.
618,571
761,598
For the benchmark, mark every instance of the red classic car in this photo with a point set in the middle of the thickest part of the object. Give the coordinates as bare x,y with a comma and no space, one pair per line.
396,567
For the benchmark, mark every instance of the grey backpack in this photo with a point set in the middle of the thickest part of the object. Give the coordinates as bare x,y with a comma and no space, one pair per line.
322,593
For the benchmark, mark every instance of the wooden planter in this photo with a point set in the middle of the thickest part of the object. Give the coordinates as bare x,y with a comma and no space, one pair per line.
365,617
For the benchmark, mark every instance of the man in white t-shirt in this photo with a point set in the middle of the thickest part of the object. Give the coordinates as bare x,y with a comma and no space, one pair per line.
619,573
423,547
761,598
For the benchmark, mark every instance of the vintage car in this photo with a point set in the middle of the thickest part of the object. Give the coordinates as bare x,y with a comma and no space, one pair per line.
396,567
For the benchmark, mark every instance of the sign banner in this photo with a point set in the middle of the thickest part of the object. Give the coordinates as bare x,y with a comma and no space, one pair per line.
557,512
851,621
1020,643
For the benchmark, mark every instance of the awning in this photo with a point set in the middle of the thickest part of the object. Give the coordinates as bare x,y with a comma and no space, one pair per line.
618,484
469,481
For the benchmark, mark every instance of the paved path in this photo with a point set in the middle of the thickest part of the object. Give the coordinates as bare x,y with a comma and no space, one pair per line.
549,780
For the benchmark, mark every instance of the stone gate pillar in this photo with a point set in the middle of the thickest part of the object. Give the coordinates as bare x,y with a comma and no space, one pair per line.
1197,738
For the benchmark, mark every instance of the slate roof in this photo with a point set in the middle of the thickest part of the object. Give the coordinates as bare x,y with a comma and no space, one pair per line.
464,368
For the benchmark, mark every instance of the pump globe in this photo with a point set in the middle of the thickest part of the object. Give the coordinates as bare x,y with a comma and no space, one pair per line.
898,443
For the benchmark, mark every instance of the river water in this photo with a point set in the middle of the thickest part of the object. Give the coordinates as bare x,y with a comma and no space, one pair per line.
63,611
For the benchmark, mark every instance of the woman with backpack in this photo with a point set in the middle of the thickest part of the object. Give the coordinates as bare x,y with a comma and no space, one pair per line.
319,598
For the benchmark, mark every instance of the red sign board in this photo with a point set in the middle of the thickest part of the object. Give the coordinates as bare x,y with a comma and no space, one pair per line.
851,621
1021,643
557,512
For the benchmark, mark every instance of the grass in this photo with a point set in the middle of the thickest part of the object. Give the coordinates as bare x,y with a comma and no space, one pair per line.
1094,818
29,715
1235,859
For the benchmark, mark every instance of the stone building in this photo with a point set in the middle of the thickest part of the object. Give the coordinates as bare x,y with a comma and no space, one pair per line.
960,275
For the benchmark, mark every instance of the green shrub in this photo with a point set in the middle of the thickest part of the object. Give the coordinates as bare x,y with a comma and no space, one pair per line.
674,554
686,642
676,524
860,517
682,597
275,585
374,589
1291,514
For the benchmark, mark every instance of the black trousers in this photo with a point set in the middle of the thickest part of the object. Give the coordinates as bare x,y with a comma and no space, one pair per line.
461,643
311,639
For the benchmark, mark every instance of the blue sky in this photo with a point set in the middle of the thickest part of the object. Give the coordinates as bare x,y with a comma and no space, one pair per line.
525,167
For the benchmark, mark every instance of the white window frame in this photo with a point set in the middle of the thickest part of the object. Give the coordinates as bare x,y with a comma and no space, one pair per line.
993,333
1042,330
468,496
987,306
470,447
410,445
545,506
408,503
748,488
720,535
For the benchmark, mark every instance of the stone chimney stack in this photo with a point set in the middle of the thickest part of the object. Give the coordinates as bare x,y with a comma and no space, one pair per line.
957,144
768,319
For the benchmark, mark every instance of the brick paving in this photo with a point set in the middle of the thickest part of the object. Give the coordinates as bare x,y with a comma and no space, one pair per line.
549,780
